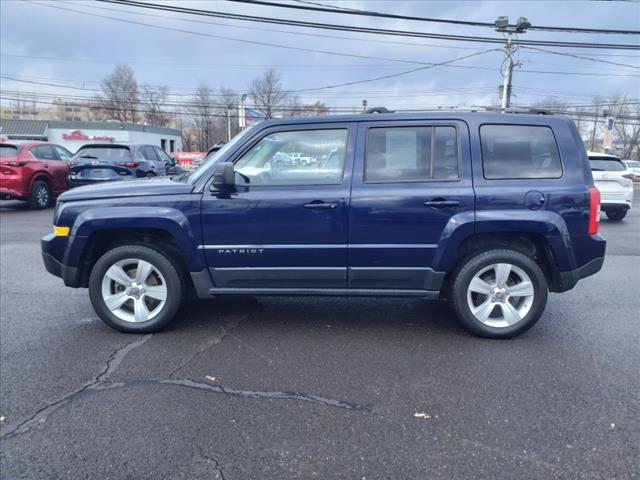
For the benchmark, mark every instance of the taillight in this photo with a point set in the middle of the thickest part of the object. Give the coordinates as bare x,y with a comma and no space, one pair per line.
17,163
594,210
128,164
628,176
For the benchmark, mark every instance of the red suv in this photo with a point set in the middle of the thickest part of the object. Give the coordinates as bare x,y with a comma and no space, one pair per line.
33,171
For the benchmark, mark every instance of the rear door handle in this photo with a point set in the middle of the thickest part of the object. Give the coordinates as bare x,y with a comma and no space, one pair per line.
321,205
441,203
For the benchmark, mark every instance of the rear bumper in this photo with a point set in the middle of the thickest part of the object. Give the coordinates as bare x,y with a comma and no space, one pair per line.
9,193
50,252
616,199
81,182
568,280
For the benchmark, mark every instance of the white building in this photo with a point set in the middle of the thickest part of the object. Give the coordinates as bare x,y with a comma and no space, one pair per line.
72,135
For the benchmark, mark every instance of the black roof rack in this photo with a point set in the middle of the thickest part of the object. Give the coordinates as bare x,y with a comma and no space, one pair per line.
529,111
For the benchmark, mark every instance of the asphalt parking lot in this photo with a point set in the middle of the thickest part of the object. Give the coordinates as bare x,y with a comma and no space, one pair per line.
315,387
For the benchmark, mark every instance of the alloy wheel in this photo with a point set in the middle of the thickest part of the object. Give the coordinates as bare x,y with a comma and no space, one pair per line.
42,196
500,295
134,290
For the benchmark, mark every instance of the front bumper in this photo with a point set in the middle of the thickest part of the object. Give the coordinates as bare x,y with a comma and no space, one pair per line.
52,247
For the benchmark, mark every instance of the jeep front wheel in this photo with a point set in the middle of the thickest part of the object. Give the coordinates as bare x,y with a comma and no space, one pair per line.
499,293
136,289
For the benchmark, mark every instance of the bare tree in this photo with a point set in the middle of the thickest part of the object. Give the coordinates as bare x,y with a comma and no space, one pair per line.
626,126
154,102
119,97
202,109
267,93
228,102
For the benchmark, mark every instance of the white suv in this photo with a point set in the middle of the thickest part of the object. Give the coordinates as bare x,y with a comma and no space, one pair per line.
615,182
634,166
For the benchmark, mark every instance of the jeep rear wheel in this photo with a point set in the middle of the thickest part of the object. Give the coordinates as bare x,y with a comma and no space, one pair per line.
136,289
499,293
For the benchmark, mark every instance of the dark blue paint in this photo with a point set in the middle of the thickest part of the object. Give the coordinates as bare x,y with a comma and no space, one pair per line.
374,225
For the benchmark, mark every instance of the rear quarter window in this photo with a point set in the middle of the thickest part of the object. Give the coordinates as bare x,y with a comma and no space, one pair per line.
519,152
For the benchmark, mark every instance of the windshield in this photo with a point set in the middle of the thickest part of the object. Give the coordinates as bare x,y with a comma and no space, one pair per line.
110,152
633,164
213,157
606,164
7,151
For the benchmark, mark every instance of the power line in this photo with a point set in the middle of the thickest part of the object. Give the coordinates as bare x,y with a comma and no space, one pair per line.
581,57
595,115
287,32
319,7
367,80
600,73
370,30
433,65
222,37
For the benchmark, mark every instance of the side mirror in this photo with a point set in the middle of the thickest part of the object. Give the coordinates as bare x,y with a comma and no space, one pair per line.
173,160
223,175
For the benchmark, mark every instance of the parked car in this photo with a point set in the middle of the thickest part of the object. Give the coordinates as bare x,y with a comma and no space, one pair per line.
404,211
35,172
615,182
634,166
105,162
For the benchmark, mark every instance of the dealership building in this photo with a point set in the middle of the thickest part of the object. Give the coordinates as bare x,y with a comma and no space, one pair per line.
72,135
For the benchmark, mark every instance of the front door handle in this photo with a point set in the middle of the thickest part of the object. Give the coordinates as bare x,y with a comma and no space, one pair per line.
441,203
321,205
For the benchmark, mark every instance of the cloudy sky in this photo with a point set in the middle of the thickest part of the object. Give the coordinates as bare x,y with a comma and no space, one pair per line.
41,42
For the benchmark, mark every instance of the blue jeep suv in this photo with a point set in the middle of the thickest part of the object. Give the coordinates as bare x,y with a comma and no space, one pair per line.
490,211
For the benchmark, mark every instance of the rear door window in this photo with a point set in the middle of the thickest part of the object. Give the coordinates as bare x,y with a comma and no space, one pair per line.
411,154
63,153
162,155
519,151
606,164
149,153
44,152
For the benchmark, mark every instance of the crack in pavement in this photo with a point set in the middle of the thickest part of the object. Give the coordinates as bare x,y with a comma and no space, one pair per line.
218,473
224,331
99,386
40,416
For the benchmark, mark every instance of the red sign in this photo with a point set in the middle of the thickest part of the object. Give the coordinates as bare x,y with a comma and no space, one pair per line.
78,135
187,158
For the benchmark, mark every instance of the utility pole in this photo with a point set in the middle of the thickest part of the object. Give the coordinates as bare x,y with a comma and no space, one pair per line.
502,26
228,125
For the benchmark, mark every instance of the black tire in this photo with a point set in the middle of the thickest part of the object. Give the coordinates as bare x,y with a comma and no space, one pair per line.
616,215
175,285
150,175
473,265
40,195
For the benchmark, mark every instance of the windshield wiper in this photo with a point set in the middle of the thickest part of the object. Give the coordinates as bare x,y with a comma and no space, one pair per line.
597,169
88,156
